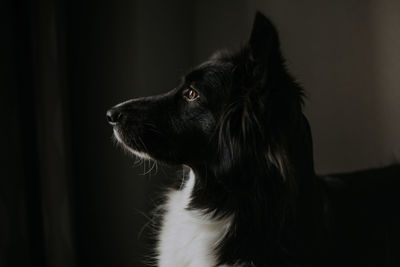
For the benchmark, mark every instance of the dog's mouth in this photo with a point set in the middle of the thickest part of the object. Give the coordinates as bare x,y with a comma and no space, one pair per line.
141,132
134,146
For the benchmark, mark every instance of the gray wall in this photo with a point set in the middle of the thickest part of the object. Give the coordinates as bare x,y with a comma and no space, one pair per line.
345,53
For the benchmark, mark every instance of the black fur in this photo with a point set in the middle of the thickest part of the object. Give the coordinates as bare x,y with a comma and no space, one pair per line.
249,145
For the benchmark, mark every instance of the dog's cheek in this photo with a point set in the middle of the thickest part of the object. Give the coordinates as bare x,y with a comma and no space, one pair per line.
202,131
206,123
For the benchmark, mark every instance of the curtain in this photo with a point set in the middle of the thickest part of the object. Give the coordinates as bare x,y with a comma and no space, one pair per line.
35,199
68,195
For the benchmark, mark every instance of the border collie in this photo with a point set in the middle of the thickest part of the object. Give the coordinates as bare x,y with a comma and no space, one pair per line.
251,197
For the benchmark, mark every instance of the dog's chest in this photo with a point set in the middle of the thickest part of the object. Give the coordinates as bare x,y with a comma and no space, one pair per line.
187,238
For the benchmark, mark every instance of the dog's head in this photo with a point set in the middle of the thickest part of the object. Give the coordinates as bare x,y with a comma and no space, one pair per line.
230,104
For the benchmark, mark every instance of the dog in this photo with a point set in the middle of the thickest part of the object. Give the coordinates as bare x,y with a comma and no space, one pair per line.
251,196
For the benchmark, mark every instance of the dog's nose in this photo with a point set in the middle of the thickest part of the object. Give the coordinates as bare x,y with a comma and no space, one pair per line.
114,116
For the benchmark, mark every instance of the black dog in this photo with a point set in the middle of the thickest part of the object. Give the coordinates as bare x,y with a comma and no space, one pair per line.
252,197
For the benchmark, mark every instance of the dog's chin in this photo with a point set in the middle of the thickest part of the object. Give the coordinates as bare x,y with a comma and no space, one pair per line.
135,152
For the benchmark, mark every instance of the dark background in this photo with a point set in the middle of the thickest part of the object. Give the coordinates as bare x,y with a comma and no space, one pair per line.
69,197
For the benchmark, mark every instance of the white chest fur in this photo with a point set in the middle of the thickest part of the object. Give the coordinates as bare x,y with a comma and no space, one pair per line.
188,238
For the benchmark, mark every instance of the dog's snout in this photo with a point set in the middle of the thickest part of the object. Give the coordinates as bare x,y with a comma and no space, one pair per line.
114,116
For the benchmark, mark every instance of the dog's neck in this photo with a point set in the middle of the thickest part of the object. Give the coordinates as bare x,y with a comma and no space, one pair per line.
224,190
260,202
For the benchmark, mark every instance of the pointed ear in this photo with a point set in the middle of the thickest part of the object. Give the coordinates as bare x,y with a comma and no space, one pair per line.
264,41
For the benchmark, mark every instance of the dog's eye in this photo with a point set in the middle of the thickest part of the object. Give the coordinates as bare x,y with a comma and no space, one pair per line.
190,94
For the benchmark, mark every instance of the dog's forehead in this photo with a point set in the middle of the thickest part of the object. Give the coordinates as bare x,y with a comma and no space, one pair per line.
209,71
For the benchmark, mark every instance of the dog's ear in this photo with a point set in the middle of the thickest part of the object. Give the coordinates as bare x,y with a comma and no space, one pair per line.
264,41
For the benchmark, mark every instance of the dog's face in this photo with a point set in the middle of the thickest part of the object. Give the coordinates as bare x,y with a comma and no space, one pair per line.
179,126
230,92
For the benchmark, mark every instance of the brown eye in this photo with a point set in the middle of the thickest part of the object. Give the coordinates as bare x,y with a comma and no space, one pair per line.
191,94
